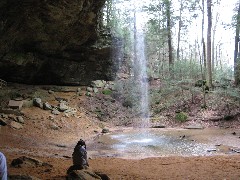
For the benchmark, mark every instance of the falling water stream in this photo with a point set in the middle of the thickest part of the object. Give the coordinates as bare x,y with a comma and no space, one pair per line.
142,80
140,64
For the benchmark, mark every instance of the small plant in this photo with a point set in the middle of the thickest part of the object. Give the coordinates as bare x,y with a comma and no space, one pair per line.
127,103
99,112
181,116
107,92
14,95
204,106
157,102
157,111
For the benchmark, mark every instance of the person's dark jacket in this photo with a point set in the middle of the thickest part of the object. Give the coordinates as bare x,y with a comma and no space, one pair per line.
80,156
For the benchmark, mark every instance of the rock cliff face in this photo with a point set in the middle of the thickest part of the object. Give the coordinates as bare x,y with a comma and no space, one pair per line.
54,42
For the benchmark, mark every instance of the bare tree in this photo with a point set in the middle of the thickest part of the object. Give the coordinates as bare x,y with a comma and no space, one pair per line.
209,44
214,59
169,34
236,51
179,29
203,43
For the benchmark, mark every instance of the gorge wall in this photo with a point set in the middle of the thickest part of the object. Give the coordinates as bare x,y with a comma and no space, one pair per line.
55,42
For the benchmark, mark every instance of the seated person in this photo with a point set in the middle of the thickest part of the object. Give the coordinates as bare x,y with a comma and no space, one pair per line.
3,167
79,157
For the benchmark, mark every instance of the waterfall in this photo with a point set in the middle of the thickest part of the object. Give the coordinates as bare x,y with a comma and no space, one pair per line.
140,66
135,88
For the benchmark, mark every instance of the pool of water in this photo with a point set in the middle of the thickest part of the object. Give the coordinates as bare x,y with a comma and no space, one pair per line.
141,143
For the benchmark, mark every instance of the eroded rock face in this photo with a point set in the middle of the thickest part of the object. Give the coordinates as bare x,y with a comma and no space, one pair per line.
54,42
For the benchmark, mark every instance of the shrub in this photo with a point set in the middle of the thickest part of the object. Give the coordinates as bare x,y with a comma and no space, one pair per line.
181,116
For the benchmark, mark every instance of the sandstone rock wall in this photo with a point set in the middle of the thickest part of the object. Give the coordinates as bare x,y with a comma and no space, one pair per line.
54,42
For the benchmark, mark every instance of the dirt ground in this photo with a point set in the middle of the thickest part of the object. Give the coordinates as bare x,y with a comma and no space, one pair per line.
37,139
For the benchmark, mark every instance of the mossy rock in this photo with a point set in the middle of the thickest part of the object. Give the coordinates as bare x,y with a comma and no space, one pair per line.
181,116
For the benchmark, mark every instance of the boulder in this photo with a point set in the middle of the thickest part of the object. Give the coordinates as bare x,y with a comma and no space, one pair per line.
89,89
47,106
38,102
50,91
20,119
5,116
28,162
95,90
21,177
84,174
11,111
105,130
89,94
15,104
3,122
63,107
16,125
98,84
55,112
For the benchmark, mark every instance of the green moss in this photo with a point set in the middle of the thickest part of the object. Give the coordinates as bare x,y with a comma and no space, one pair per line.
181,116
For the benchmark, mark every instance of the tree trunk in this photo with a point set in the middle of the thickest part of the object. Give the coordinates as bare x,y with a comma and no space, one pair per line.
236,51
170,55
209,44
213,44
203,44
216,55
202,73
220,56
109,12
179,30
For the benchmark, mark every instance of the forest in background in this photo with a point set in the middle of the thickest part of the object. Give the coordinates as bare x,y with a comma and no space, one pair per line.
183,49
177,33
